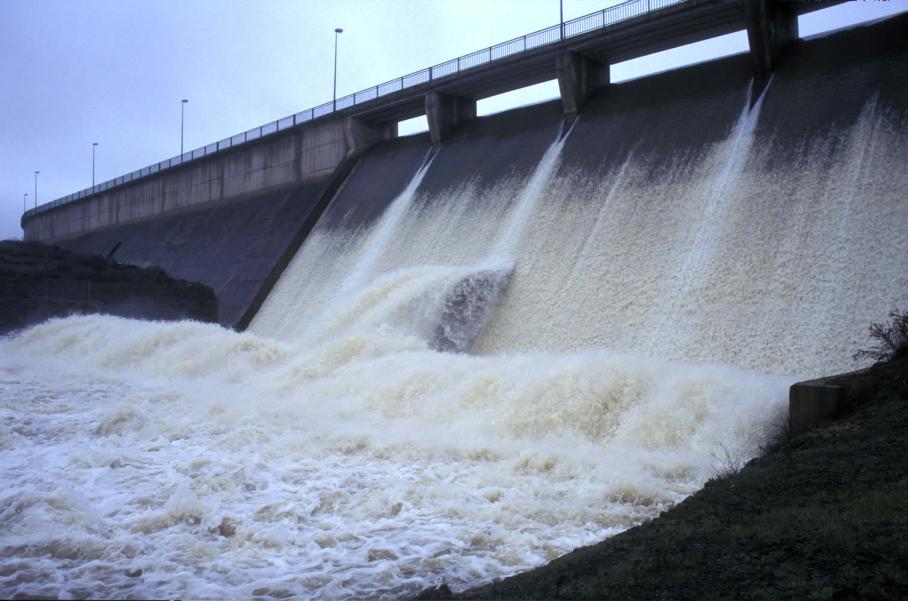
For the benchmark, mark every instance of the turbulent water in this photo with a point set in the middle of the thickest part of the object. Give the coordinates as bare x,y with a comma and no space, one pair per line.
367,466
348,446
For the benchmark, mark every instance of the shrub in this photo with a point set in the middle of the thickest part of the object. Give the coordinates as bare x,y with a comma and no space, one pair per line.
891,339
728,463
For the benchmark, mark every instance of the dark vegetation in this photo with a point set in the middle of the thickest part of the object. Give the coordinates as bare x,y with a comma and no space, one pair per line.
38,282
891,339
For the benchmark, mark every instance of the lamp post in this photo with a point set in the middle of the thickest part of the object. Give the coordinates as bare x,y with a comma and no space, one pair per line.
36,188
93,146
561,9
24,202
182,106
337,30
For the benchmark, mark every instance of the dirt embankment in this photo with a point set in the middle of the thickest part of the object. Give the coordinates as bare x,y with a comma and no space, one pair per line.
823,515
38,282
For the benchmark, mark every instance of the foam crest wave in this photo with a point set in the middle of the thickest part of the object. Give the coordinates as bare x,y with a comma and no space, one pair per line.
374,462
155,349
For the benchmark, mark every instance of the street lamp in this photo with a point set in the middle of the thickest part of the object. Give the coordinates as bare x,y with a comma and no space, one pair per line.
36,188
24,201
561,8
93,145
182,106
337,30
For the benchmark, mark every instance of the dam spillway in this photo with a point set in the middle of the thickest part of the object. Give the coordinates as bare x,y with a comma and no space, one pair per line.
696,221
644,286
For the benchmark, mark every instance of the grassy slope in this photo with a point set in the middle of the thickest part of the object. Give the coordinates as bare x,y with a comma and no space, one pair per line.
820,516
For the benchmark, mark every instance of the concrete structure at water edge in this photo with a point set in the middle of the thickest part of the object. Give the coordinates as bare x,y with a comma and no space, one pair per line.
817,403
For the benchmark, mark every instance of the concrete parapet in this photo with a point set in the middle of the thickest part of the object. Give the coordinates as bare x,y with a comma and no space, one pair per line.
444,112
770,27
578,76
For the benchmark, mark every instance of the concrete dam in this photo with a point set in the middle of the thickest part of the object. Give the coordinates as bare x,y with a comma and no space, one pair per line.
462,357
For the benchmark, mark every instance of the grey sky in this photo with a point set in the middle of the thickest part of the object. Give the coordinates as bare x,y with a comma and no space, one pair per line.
114,71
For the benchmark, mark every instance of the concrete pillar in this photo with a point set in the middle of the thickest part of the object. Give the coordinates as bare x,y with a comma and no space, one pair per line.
359,136
578,76
444,112
770,27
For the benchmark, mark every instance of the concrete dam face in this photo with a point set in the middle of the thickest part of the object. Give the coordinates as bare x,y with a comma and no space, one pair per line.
483,355
688,216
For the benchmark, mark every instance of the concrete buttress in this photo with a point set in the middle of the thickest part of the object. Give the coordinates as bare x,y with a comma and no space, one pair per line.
578,76
444,112
358,136
770,27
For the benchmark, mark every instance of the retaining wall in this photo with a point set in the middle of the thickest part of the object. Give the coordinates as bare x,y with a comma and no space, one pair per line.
300,155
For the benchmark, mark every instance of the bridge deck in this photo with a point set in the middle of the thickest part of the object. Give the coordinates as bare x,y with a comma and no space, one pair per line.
667,28
623,32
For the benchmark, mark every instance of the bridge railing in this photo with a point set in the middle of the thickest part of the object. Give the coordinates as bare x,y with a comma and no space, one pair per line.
537,39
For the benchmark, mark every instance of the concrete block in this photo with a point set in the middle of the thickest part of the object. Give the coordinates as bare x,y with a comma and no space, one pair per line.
815,403
359,136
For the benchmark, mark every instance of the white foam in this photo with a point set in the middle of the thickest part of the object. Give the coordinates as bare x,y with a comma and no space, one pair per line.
366,466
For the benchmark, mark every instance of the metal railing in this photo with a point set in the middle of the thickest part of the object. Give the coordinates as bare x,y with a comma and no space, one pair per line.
544,37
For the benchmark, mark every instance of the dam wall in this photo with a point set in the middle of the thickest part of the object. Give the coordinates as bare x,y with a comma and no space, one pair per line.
230,246
311,143
300,155
690,215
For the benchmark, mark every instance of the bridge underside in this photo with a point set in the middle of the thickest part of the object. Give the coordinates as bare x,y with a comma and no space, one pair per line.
770,26
314,148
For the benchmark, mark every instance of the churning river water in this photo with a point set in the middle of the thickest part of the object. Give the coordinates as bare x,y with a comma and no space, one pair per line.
184,460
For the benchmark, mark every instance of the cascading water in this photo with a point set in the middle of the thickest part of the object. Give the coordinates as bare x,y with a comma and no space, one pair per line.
340,449
532,192
695,262
379,238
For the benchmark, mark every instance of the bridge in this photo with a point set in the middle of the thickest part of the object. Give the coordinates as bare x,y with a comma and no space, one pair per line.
314,143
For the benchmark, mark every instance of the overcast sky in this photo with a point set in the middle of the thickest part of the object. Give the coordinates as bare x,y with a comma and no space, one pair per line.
75,72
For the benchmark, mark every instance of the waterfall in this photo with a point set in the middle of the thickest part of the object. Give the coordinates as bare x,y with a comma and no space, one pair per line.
697,259
533,191
378,240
